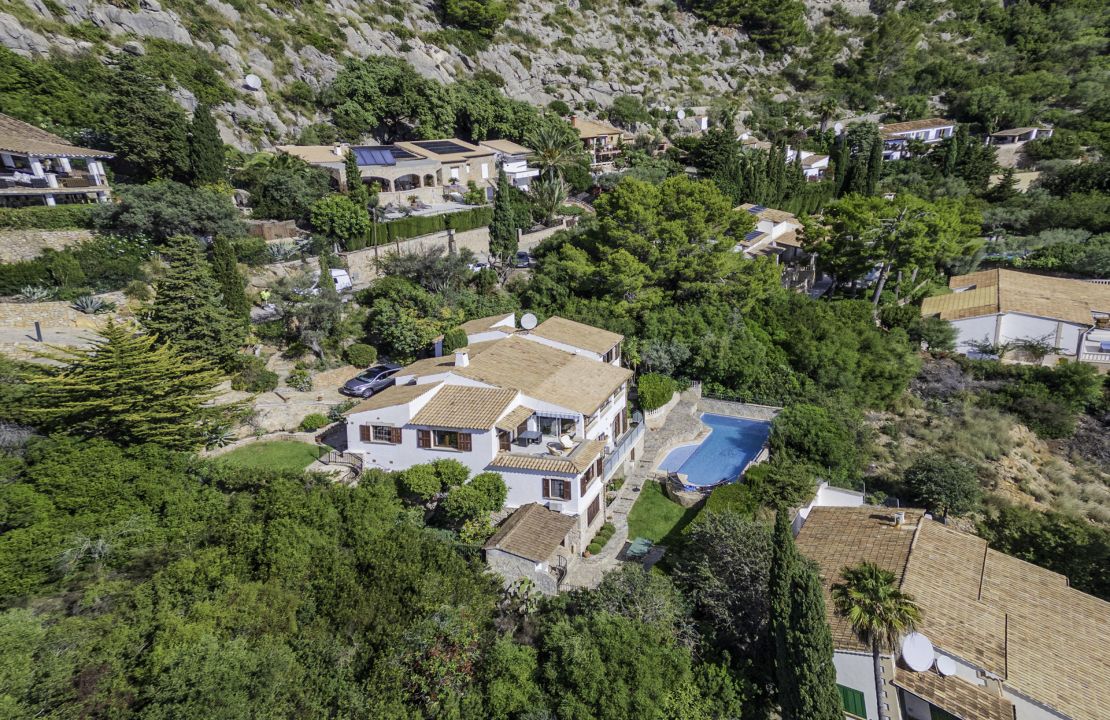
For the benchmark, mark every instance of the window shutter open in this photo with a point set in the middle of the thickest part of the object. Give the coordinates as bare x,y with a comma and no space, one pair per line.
423,438
503,440
546,488
566,489
599,467
395,436
365,433
464,442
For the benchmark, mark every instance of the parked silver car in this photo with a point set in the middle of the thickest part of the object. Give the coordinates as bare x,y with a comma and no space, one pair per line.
372,380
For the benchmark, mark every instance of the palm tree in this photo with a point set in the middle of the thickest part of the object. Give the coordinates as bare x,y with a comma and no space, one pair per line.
549,194
555,148
879,612
825,110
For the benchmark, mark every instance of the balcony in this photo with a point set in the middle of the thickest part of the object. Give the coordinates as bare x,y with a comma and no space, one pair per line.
53,183
621,449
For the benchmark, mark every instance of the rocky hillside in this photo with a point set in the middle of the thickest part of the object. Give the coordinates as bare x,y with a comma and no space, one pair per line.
583,52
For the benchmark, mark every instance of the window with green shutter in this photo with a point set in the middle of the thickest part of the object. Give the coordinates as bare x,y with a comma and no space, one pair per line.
853,701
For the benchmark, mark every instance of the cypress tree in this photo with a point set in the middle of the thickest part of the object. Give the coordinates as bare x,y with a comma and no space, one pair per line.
783,562
503,226
874,166
812,684
188,309
356,188
226,270
327,282
840,165
206,149
128,388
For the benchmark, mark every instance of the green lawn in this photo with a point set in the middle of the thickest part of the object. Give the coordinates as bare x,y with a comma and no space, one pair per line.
273,455
657,517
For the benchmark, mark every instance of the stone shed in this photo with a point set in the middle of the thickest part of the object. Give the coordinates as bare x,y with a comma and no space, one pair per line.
530,544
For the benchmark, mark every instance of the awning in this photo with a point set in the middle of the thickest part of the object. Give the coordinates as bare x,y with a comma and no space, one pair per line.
955,695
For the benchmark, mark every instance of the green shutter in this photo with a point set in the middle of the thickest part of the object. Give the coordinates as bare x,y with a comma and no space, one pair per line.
854,703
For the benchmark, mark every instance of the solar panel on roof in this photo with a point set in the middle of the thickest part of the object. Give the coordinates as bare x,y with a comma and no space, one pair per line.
374,155
401,153
753,234
441,147
756,209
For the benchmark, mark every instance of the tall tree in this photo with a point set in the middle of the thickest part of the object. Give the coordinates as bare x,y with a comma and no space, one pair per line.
356,188
505,223
126,387
879,612
556,148
811,676
188,309
206,149
783,564
226,269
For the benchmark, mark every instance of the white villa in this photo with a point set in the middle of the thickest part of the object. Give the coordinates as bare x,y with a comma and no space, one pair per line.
1019,136
513,159
814,165
40,168
1000,638
896,136
775,233
1003,306
546,408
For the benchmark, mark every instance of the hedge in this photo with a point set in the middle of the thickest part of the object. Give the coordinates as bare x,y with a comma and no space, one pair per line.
44,217
417,225
655,390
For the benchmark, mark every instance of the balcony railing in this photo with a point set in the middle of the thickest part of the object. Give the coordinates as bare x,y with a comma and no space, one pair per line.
620,450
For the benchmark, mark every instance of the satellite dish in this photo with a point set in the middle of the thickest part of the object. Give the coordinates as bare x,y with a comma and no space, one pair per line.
528,321
945,665
681,114
917,652
838,128
252,82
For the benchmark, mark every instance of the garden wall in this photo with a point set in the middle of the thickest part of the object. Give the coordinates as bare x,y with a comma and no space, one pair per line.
17,245
57,315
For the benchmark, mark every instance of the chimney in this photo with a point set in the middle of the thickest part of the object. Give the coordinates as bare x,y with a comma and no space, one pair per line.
338,150
462,358
574,121
899,519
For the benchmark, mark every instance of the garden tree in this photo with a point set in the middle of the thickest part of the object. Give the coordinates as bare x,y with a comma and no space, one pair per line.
314,319
965,157
284,187
482,111
935,334
127,388
476,499
403,319
811,676
189,310
357,190
231,281
556,148
994,109
858,160
142,124
548,195
784,563
722,568
434,269
509,215
644,597
943,484
161,210
827,437
206,149
1085,258
628,110
879,613
339,218
904,235
386,97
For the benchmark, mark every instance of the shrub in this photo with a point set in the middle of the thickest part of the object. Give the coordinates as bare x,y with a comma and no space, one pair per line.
253,376
138,290
59,217
421,481
335,412
250,250
299,379
654,390
464,503
361,355
451,473
314,421
593,548
943,484
454,339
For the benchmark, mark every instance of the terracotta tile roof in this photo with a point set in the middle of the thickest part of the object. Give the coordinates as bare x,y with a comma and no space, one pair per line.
576,462
591,128
315,154
993,291
811,160
914,125
1047,641
464,407
514,418
444,364
396,395
577,334
532,532
955,695
478,325
1014,132
23,138
770,214
506,146
836,538
789,239
546,373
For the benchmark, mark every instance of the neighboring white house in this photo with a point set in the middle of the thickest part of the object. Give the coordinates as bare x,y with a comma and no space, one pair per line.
814,165
40,168
1019,136
513,159
545,408
897,136
1003,639
1004,306
776,232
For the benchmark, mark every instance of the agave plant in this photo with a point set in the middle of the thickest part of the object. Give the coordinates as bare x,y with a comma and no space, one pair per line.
218,436
92,305
281,251
35,293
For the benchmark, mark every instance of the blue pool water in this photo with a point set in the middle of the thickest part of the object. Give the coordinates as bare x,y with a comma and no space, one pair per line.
731,445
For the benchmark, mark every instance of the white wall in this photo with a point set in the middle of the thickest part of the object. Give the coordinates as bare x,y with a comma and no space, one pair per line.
1019,327
975,329
856,671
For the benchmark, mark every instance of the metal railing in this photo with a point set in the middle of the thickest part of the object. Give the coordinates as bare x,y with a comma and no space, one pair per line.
346,459
620,451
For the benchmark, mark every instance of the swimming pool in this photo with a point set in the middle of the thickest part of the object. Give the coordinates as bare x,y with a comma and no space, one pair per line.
723,454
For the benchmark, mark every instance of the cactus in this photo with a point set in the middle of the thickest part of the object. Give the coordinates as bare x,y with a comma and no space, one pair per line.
35,293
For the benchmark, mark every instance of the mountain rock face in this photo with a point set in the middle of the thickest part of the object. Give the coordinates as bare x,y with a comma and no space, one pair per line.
582,52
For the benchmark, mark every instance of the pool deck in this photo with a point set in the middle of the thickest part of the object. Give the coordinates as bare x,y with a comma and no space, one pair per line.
683,425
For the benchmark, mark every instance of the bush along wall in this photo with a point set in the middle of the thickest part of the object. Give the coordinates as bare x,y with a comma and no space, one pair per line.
59,217
417,225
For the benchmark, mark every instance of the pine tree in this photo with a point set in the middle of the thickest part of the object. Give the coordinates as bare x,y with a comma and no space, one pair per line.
226,270
206,149
783,562
812,682
356,188
127,388
503,227
188,309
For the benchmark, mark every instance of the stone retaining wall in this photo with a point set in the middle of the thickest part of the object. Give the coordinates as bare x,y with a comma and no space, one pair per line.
58,314
17,245
306,437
